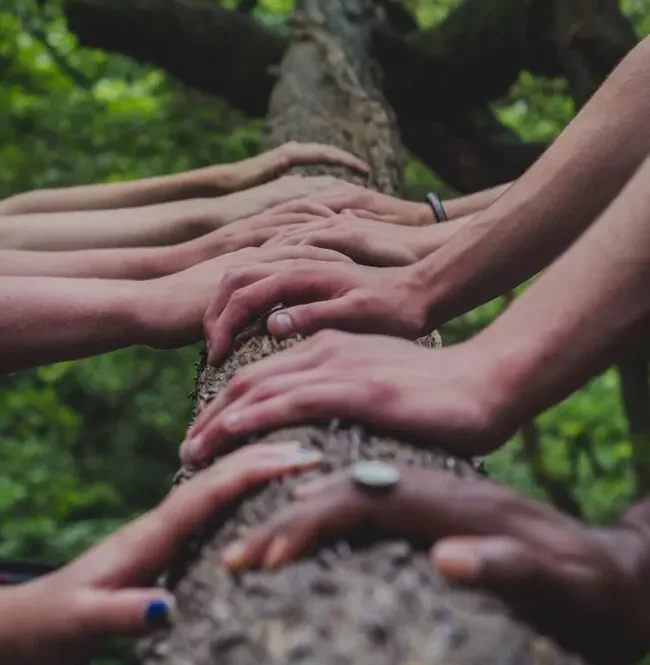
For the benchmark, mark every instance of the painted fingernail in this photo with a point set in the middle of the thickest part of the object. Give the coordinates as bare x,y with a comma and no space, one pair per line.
192,448
457,561
282,323
234,556
277,552
159,613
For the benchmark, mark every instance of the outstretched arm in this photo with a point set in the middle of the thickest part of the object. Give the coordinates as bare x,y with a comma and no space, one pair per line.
521,233
154,225
574,320
473,203
141,263
568,326
205,182
45,320
50,319
553,203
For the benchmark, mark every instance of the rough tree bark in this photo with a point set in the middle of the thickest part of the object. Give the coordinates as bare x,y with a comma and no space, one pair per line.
359,600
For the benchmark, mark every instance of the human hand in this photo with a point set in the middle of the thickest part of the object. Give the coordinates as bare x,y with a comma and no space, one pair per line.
250,202
247,232
171,308
268,165
365,241
448,396
348,297
369,204
108,591
586,587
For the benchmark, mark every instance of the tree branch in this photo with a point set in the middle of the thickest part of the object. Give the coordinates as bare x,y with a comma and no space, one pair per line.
201,44
634,380
472,152
181,36
556,487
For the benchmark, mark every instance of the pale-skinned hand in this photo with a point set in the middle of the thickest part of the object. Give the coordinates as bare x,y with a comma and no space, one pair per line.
216,213
346,297
366,241
369,204
109,591
272,163
248,232
172,308
447,396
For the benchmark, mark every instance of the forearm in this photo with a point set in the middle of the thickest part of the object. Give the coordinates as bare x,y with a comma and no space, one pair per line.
553,203
47,320
110,196
430,238
472,203
578,316
161,224
135,263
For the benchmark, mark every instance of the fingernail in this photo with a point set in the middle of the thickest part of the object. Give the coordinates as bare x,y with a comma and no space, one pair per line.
304,456
277,552
457,561
192,448
233,556
282,323
159,613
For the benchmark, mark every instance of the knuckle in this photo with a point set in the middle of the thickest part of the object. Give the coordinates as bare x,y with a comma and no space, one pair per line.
366,302
378,391
240,383
232,278
328,340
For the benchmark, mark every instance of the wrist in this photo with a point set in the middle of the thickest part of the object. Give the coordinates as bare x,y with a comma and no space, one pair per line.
628,546
21,641
430,238
165,313
506,383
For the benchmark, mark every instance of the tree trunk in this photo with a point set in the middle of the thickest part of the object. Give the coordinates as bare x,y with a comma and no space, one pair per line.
358,600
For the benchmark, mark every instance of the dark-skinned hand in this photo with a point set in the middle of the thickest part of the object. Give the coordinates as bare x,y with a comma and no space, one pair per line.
589,587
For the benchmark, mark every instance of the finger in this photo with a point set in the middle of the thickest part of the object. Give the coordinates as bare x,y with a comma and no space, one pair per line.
214,435
307,227
125,612
272,218
311,402
299,527
289,361
138,552
511,567
234,307
340,313
303,206
318,486
311,153
307,253
244,304
370,215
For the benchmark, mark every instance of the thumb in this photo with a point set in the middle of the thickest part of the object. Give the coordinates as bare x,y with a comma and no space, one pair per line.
501,563
114,613
339,313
